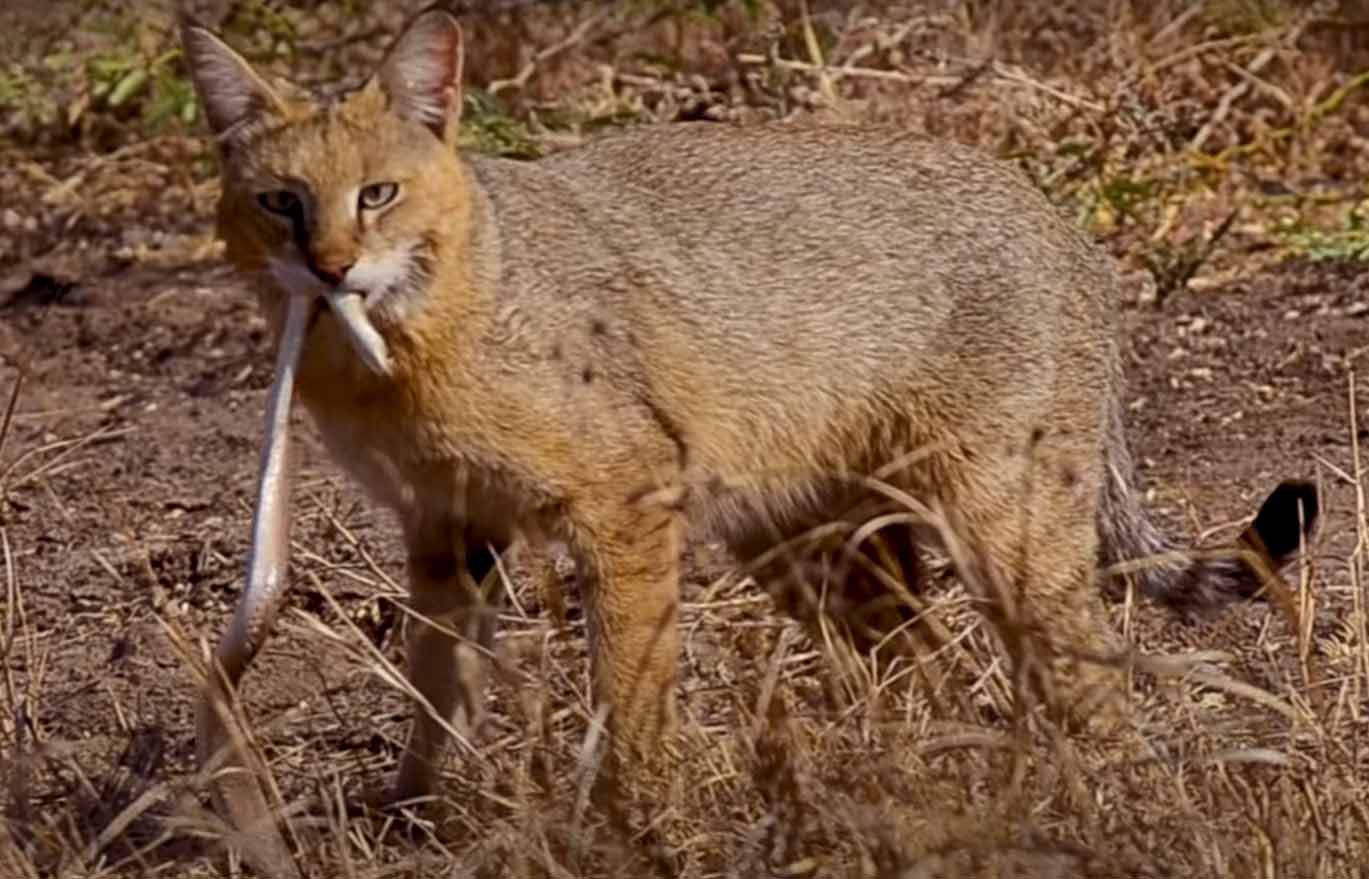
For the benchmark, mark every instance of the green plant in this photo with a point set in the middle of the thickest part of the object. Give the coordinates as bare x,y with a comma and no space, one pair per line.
1348,243
24,100
705,8
1249,16
487,127
258,22
1174,265
156,87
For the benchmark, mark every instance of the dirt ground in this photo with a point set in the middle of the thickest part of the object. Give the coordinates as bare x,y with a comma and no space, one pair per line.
126,481
142,404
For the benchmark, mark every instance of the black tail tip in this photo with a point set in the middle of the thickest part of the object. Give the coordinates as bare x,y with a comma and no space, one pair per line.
1279,524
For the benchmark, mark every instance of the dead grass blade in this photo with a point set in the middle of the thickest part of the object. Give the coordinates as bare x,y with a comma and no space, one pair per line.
361,648
10,405
243,742
1359,612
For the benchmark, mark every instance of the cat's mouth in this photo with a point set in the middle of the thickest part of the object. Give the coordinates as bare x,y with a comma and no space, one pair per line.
348,304
349,307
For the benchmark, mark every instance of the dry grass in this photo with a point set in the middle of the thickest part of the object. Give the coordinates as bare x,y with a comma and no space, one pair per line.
1186,135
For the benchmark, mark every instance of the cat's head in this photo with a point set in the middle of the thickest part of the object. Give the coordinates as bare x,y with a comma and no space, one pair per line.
339,200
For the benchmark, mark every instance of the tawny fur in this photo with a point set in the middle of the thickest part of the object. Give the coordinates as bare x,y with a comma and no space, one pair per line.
697,324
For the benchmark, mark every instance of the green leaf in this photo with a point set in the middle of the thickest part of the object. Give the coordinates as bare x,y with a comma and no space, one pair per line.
128,86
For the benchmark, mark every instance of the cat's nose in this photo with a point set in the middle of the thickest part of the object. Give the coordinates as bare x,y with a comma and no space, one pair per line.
333,274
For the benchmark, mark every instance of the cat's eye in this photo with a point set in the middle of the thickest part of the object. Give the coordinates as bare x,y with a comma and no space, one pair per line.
279,201
377,195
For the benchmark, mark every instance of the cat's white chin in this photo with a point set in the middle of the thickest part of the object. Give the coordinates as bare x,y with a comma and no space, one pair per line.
377,277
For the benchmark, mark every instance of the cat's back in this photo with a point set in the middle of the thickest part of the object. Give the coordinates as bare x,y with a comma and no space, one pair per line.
700,160
794,226
810,198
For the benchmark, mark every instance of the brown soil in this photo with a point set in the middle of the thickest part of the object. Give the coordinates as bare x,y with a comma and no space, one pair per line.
155,380
126,482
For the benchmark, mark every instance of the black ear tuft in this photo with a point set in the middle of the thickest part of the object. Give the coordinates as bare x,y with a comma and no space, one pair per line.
1277,522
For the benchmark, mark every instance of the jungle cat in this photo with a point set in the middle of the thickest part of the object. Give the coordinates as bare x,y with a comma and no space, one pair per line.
733,328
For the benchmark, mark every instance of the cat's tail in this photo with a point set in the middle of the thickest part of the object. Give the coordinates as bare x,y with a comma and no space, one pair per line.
1132,545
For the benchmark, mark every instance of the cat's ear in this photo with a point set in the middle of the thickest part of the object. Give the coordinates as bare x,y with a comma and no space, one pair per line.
229,89
421,74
